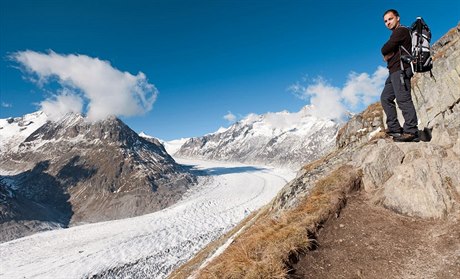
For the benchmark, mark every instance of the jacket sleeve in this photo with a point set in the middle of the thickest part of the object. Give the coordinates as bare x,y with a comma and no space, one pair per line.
396,39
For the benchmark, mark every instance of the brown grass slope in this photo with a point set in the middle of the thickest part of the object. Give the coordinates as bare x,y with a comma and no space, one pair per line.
269,247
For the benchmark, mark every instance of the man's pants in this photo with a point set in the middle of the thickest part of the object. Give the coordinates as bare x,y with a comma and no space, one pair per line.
395,90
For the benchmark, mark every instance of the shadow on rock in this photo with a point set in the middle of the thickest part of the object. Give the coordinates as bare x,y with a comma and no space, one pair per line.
425,134
37,196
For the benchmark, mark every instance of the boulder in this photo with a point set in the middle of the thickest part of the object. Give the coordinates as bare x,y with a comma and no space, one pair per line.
415,179
378,162
426,184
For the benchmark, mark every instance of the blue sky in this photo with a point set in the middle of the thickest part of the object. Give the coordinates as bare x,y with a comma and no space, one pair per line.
206,58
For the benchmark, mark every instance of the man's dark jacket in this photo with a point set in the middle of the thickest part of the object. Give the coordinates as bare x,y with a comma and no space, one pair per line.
399,36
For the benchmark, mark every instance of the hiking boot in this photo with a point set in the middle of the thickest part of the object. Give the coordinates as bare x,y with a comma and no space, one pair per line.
406,137
393,134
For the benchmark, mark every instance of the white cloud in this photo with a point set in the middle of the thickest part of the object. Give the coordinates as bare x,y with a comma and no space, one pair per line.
362,88
230,117
6,105
332,102
107,90
61,104
326,100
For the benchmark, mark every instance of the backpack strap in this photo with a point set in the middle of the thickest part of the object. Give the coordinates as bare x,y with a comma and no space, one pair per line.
406,50
402,75
409,55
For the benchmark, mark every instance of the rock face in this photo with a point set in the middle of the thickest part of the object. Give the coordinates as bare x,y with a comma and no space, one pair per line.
282,139
413,179
20,216
436,99
362,127
89,172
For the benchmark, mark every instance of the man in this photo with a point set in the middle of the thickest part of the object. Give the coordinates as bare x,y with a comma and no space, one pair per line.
397,85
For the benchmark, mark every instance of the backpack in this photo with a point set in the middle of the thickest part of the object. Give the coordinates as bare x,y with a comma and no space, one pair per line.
420,57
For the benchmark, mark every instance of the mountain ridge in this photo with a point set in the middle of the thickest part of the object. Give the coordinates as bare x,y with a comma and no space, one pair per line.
281,139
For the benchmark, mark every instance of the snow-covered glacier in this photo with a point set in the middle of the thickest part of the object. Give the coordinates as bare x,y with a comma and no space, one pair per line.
152,245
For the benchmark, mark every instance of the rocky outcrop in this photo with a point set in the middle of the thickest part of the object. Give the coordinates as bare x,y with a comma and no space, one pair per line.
413,179
436,98
362,127
20,216
425,182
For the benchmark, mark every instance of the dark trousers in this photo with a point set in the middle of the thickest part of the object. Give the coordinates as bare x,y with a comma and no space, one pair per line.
395,90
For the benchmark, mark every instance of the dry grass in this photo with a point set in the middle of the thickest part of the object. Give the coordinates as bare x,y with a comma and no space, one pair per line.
267,249
186,269
321,161
372,111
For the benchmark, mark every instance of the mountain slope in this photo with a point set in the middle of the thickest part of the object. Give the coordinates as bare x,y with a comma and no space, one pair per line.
281,139
90,172
344,214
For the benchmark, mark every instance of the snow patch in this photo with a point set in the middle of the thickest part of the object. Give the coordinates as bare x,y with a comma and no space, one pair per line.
373,133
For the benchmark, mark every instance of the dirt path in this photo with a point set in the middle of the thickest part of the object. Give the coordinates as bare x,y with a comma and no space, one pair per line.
368,241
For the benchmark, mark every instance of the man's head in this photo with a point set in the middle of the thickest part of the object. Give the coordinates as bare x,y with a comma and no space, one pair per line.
391,19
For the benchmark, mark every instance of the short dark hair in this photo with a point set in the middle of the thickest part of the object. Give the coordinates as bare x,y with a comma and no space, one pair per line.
395,12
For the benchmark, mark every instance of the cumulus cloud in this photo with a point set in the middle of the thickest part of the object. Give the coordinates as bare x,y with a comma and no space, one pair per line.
332,102
230,117
86,80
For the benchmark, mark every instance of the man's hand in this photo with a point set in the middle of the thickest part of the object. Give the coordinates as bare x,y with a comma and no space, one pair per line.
388,56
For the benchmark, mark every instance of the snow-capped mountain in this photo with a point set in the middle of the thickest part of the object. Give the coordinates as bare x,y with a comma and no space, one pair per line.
171,146
280,139
87,172
13,131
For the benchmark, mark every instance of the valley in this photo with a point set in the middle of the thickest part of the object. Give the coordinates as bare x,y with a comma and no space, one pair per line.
152,244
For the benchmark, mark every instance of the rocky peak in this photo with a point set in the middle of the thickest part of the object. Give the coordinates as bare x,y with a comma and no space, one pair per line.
73,125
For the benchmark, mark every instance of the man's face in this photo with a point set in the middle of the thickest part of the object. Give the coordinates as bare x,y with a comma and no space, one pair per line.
391,21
